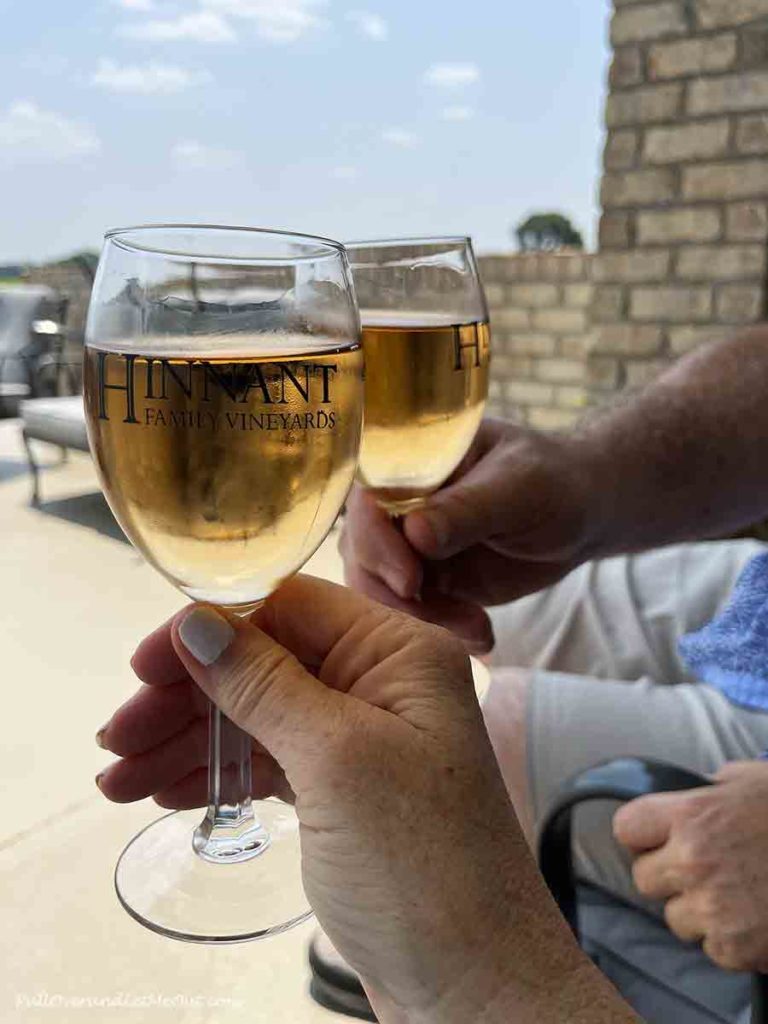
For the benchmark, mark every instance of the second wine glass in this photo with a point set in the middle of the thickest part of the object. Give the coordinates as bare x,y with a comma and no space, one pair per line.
427,352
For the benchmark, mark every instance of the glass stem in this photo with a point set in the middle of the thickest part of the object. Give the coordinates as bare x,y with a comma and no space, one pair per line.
230,831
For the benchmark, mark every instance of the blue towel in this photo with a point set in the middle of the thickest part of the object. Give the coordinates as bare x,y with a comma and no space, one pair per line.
731,652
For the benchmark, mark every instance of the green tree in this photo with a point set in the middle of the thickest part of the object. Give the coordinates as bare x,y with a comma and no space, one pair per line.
547,232
86,262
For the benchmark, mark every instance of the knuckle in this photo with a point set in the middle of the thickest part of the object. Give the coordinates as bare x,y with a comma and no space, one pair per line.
450,646
713,908
702,815
700,800
429,644
690,854
435,643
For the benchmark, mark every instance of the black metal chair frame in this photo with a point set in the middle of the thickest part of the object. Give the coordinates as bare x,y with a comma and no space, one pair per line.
36,363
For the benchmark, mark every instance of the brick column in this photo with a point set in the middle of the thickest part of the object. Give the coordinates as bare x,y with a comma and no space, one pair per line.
684,229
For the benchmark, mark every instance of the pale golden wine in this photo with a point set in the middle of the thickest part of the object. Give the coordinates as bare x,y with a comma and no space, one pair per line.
425,393
226,473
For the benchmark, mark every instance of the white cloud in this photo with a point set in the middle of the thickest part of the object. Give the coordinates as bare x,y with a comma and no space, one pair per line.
146,79
28,133
277,21
136,5
193,155
371,25
399,137
198,27
457,113
345,172
452,76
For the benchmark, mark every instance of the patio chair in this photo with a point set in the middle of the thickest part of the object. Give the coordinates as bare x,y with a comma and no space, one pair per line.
31,344
57,421
663,980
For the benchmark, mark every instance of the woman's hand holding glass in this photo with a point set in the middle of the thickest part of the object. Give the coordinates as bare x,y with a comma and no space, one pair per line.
412,857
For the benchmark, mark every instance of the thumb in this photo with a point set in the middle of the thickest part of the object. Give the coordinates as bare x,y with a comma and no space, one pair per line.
257,683
463,514
645,823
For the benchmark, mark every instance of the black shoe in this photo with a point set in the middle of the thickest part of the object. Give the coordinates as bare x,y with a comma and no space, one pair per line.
334,984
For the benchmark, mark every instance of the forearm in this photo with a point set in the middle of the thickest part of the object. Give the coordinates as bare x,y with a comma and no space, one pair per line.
577,994
530,971
686,459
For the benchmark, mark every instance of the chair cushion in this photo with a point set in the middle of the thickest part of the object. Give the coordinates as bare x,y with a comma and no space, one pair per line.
662,979
60,421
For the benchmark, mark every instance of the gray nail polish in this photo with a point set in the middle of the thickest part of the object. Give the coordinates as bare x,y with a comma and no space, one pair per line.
206,635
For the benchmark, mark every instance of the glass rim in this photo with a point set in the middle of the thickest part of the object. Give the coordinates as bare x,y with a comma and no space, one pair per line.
423,240
323,247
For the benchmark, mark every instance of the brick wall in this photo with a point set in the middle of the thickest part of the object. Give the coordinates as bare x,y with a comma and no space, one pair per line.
540,335
684,230
683,238
539,306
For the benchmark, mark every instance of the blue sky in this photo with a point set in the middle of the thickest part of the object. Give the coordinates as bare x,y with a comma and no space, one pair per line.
343,118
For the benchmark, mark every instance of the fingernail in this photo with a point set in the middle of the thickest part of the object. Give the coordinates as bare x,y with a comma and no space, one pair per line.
98,779
394,580
100,737
205,634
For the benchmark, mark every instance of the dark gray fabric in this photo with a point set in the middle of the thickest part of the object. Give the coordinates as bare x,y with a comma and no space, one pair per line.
665,981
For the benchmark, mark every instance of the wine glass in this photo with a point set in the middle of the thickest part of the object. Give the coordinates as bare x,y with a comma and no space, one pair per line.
224,396
426,340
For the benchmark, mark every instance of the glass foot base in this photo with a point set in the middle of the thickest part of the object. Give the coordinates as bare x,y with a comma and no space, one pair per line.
230,845
166,886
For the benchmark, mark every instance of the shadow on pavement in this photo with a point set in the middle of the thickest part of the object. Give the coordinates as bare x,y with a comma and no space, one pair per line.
89,510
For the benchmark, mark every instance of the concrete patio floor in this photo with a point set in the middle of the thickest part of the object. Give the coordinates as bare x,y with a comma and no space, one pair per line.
74,602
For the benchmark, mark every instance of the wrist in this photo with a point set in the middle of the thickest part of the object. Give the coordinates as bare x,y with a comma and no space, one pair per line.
501,988
477,994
